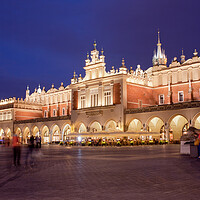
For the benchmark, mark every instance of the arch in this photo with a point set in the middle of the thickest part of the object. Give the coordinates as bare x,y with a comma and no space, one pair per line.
155,124
26,135
111,126
95,127
82,128
178,124
56,136
135,125
8,133
65,131
35,131
196,121
18,131
1,133
45,136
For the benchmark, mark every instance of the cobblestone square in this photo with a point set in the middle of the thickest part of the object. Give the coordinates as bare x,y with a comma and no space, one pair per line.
138,172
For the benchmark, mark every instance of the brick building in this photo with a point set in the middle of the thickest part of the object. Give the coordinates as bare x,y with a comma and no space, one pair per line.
162,101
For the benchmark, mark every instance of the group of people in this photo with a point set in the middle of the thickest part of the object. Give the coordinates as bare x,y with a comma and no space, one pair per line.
32,143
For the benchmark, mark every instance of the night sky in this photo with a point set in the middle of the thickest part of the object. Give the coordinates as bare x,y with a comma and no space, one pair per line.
44,41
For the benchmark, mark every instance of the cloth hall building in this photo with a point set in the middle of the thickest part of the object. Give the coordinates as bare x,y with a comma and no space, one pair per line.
160,102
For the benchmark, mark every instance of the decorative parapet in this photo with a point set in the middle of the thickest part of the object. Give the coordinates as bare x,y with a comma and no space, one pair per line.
177,106
7,101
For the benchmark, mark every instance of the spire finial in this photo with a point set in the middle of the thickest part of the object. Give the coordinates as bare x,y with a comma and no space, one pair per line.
39,86
95,45
52,86
123,62
74,74
182,51
102,51
195,52
27,87
159,37
88,56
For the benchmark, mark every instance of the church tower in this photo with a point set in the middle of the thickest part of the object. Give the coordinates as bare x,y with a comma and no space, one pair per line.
159,57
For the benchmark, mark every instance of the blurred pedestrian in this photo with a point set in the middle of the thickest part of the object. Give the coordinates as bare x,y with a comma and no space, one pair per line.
16,150
40,141
37,141
29,156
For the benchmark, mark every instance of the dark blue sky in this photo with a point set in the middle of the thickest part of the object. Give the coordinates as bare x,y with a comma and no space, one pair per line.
44,41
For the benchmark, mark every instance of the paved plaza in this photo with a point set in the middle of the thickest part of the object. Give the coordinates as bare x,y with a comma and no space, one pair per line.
138,172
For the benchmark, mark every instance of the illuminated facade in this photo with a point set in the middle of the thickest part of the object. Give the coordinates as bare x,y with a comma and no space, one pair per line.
160,101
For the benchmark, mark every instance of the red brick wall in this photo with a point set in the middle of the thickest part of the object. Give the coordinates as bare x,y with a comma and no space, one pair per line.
196,94
160,90
24,115
136,93
184,88
45,108
75,100
116,93
51,108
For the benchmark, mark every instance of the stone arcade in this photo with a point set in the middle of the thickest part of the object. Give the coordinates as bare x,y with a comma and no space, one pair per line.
162,101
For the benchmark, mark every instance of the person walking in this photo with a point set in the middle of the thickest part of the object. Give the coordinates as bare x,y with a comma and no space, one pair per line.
29,156
16,150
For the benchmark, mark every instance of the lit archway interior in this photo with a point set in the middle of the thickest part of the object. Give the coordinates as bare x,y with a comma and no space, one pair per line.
8,133
45,135
197,122
135,126
95,127
177,126
56,134
66,131
35,131
26,135
1,134
155,125
18,131
111,126
82,128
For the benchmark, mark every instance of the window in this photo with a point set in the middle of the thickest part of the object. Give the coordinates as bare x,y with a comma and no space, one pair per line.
94,100
180,96
45,113
63,111
107,98
54,112
82,101
161,99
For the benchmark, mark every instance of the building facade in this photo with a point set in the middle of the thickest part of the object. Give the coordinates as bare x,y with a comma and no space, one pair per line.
162,101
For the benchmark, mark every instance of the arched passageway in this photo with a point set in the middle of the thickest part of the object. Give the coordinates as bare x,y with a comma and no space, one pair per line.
111,126
1,134
45,136
135,126
56,137
66,131
18,131
157,125
95,127
197,122
82,128
26,135
35,131
8,133
178,126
